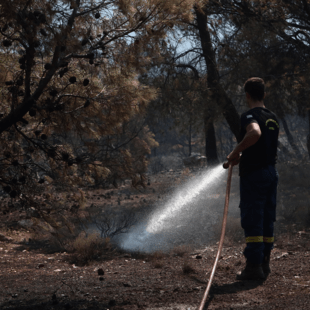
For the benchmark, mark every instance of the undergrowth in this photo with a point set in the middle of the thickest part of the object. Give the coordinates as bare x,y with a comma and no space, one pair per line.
86,248
187,268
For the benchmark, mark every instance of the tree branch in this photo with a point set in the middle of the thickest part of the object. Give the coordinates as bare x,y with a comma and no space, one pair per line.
306,7
196,74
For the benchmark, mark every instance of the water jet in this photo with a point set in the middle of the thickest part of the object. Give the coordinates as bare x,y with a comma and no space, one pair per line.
185,216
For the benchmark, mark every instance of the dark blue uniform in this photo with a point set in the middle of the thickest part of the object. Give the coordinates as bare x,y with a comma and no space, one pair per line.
258,184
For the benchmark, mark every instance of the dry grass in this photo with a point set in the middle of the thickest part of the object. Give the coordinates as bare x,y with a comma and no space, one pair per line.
181,250
158,259
158,255
187,268
86,248
158,264
139,255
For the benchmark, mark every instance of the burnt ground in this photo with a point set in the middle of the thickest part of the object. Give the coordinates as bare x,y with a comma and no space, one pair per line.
34,276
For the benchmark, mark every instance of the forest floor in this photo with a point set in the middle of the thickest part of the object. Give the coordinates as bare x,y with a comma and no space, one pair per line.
34,276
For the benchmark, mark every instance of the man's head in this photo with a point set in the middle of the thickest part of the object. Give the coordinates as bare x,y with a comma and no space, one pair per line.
255,87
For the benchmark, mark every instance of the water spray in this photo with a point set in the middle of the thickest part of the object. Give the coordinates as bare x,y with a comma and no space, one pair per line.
182,199
205,295
181,217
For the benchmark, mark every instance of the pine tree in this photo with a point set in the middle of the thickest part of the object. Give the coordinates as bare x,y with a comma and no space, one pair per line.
69,82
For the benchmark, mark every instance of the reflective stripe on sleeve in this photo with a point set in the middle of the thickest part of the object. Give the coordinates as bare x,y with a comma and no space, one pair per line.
254,239
269,239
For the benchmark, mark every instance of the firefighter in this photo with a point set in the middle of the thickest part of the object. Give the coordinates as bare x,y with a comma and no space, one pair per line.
256,155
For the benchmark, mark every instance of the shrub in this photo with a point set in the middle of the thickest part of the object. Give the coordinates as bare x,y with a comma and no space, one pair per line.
86,248
187,267
112,223
157,259
158,264
181,250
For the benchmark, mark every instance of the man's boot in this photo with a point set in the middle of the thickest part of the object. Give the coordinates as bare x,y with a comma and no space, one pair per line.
251,272
265,264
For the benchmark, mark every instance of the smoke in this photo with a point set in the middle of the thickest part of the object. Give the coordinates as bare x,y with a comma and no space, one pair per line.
186,216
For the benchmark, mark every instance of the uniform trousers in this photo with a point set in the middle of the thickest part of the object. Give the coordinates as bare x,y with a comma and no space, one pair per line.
258,195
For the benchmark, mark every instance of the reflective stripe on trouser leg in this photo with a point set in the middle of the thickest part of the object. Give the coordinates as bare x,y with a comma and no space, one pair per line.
254,239
268,239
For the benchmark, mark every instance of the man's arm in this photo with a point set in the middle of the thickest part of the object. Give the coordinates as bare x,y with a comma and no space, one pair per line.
252,135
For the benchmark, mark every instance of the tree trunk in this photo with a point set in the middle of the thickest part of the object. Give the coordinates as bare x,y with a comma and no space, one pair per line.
211,151
190,140
308,137
216,90
290,138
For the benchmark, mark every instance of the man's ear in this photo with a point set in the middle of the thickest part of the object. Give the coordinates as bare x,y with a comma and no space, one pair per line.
264,95
248,96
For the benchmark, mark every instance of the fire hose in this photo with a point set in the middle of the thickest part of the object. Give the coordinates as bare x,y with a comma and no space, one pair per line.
206,293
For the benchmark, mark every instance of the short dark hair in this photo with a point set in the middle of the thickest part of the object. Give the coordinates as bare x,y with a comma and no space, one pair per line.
255,86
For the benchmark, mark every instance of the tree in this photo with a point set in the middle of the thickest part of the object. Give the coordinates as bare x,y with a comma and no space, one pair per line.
69,83
179,101
240,39
202,59
277,35
215,88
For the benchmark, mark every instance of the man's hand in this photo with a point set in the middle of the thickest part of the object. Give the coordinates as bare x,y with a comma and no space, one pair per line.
234,158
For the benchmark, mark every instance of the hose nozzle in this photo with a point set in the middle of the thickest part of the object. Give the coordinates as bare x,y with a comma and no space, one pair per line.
226,165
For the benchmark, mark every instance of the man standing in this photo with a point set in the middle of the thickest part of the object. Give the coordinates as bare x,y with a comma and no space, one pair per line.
258,179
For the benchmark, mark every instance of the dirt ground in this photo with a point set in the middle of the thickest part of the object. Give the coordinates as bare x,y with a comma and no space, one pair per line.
32,276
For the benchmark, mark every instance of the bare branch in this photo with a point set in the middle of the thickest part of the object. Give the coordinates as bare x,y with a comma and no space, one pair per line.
195,71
